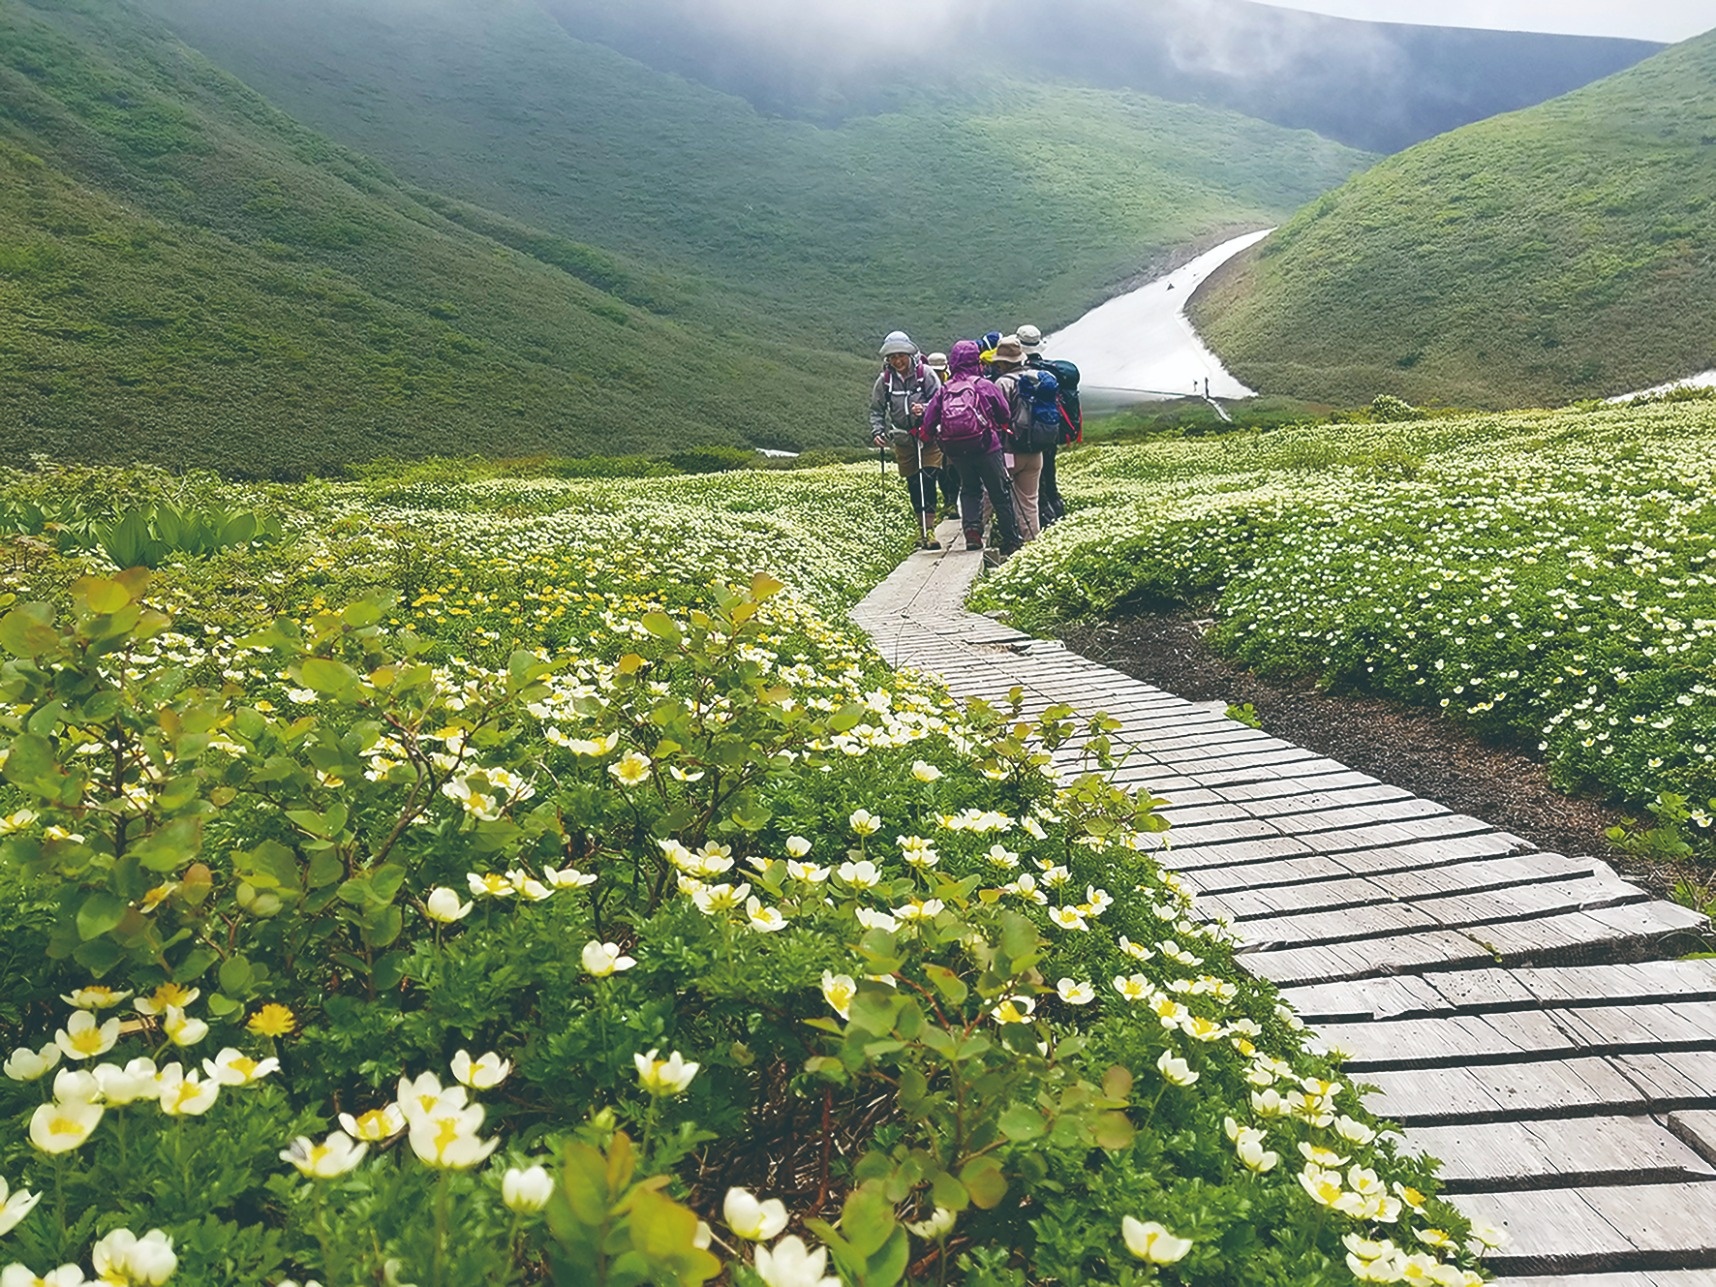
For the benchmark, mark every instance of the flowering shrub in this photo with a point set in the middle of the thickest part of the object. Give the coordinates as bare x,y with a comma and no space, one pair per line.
526,888
1547,577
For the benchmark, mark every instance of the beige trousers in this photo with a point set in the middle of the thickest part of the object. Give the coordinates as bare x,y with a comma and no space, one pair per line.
1026,472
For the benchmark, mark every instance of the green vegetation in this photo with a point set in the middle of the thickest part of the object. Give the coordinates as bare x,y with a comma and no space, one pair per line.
1548,577
187,276
708,911
1562,252
947,215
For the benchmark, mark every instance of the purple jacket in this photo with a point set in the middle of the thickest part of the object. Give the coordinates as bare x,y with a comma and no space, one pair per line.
964,366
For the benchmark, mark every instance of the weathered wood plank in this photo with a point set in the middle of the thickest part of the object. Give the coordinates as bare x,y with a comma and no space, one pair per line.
1546,1229
1541,898
1376,920
1697,1128
1587,931
1451,1040
1559,1153
1449,879
1371,958
1259,875
1641,1278
1360,1001
1496,1092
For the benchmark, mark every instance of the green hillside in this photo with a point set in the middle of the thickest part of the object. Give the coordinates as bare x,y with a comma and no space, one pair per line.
956,211
1562,252
187,276
554,251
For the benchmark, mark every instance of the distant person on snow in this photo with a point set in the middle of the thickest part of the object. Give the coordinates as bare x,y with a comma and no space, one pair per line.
1024,454
966,418
897,401
948,474
1051,508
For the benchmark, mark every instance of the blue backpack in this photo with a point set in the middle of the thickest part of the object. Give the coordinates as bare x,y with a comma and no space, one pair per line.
1045,428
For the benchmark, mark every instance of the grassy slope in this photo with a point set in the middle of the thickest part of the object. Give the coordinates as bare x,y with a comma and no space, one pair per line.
944,217
188,276
1561,252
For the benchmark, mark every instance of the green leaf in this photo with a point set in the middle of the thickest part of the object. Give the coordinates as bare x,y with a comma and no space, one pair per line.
234,975
172,846
100,912
984,1179
1021,1122
661,626
195,965
867,1220
327,676
947,983
28,630
98,956
1112,1131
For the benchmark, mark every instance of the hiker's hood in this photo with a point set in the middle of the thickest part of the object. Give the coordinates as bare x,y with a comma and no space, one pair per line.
962,359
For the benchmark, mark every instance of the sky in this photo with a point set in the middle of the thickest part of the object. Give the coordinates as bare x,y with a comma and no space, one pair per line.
1666,20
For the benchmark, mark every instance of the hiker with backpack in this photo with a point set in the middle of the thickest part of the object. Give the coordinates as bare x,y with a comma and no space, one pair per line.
897,401
1030,417
965,419
1051,507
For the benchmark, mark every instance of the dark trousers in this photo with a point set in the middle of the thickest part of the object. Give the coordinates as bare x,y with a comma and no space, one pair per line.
923,489
1049,504
949,482
981,472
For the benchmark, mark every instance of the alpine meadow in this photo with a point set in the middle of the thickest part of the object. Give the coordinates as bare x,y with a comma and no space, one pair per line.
533,743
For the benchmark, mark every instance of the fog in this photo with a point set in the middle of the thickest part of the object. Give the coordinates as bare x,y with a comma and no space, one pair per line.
1374,85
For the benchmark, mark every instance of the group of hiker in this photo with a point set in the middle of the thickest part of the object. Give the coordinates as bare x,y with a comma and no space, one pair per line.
980,423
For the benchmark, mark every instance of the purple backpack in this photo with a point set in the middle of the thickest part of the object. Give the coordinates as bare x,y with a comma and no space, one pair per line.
964,421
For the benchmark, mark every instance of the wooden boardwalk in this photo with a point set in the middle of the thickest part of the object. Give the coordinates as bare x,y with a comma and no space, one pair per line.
1520,1011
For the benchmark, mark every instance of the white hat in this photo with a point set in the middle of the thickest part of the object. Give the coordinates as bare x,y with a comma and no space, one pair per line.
898,342
1030,337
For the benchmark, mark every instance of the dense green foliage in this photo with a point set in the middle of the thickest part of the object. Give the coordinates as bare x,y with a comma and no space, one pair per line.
1562,252
556,770
1549,578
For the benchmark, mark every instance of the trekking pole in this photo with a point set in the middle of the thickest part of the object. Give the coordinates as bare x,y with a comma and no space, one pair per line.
918,500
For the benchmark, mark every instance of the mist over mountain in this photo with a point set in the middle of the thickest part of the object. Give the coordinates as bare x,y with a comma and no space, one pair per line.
1377,86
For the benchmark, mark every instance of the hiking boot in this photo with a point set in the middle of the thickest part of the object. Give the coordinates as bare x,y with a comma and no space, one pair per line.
973,540
929,543
1010,548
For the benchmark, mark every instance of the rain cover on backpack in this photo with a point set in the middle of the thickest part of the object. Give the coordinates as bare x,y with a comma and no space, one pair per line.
1042,391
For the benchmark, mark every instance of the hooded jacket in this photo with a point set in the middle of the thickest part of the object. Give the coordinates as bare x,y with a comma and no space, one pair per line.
891,399
963,365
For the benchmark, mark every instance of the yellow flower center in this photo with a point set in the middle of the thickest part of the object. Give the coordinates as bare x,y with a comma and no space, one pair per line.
88,1042
64,1126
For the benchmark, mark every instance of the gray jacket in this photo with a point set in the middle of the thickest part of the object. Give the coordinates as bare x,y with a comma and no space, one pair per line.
891,400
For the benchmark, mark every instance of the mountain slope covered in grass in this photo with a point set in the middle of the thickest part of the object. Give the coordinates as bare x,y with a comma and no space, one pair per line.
1564,252
525,244
188,276
959,209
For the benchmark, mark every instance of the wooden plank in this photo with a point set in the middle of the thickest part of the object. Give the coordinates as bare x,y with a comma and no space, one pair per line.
1485,874
1346,925
1360,815
1685,1080
1497,1092
1258,875
1681,1025
1667,1220
1384,835
1641,1278
1433,853
1325,963
1277,900
1640,981
1359,1001
1448,1040
1697,1127
1587,932
1549,1229
1184,857
1559,1153
1541,898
